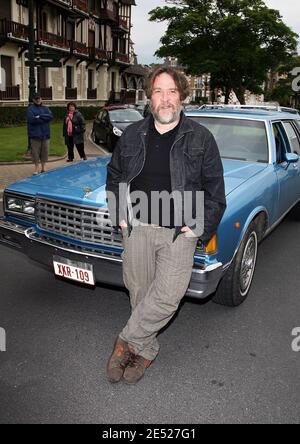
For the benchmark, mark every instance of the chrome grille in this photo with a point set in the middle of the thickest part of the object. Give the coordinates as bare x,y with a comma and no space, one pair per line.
80,223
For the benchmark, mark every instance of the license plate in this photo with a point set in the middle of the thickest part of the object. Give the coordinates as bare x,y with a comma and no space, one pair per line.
76,271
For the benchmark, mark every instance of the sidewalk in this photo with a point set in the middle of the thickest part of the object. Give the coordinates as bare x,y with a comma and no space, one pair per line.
12,173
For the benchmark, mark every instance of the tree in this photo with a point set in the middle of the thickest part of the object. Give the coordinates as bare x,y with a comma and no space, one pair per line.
284,91
236,41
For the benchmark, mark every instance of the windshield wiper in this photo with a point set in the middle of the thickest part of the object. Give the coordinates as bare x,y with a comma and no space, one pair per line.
233,158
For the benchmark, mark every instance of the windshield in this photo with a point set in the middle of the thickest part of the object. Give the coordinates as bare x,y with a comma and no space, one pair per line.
238,139
124,115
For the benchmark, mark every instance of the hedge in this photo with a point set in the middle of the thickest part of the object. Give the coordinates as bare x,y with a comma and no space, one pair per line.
16,115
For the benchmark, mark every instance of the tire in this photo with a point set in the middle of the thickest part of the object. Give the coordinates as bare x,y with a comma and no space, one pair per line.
235,285
96,140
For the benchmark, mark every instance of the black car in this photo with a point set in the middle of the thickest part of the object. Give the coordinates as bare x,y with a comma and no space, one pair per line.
110,123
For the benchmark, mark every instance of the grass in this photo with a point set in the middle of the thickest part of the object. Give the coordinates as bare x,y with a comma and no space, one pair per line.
13,143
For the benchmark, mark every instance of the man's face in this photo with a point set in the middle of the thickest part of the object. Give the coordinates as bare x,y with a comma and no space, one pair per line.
37,100
165,100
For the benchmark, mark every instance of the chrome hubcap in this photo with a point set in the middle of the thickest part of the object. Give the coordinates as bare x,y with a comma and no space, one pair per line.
248,264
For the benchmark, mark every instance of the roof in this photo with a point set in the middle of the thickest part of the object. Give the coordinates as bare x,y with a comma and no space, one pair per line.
243,113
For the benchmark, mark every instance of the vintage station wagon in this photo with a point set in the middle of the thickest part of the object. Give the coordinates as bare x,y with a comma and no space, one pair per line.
60,218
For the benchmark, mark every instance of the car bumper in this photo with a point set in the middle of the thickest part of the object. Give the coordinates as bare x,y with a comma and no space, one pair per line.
107,268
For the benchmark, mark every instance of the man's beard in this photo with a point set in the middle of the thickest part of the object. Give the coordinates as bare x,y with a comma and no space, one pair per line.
171,117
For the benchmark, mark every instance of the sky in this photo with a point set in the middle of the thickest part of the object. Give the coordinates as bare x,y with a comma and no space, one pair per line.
146,35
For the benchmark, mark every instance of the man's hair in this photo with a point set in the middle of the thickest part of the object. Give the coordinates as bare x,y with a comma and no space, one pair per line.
179,78
71,104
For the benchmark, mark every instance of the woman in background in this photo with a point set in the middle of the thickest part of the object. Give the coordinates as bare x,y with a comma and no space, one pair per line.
73,131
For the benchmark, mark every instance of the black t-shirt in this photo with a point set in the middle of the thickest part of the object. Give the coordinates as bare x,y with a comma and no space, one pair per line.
155,176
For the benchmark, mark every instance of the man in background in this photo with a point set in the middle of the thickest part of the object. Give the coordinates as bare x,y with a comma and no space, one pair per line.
39,117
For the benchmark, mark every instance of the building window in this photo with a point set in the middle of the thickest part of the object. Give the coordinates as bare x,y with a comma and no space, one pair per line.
70,76
90,79
70,31
6,71
113,81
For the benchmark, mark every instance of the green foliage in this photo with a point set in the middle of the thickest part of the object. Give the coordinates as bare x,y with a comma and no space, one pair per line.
16,115
282,92
237,41
14,142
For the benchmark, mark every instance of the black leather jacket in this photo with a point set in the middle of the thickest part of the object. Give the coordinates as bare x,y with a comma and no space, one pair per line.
195,165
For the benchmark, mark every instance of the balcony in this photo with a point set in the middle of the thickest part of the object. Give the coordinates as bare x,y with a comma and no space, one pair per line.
117,57
46,93
81,6
63,3
48,39
122,58
121,25
10,93
97,53
78,48
107,15
10,30
91,94
128,97
71,93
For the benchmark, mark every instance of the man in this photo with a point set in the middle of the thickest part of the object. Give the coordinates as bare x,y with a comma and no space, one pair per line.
166,152
38,120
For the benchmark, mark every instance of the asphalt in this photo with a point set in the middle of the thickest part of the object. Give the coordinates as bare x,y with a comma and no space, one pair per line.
10,173
216,364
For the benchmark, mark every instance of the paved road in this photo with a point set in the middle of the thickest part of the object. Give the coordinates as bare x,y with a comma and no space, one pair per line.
217,365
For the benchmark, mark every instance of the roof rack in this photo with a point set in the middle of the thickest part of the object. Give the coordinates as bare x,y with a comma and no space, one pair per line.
265,107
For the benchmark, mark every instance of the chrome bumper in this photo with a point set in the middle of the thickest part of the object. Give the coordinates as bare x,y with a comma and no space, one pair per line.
107,267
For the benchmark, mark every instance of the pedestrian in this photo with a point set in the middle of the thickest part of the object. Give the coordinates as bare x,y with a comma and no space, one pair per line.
73,131
165,152
39,117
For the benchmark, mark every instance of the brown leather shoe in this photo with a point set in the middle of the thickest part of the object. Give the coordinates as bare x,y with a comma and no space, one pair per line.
135,369
118,360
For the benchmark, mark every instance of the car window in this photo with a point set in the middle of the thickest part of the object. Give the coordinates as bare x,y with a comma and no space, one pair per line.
281,142
238,138
124,115
292,137
104,117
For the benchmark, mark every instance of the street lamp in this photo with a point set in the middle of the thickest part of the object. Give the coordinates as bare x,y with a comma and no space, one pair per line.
31,51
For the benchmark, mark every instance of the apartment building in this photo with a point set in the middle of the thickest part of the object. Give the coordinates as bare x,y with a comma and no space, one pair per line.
88,42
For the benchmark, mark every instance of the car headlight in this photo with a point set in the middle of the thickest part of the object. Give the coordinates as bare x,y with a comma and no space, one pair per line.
20,205
117,132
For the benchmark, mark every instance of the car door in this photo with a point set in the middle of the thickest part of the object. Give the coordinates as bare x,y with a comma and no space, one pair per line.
288,174
104,126
97,125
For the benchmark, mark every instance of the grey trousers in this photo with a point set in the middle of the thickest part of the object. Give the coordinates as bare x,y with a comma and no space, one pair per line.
156,271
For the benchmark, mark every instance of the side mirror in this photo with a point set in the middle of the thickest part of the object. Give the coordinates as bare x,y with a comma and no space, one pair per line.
291,157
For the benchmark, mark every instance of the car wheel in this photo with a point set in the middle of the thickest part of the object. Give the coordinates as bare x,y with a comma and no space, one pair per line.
235,285
96,140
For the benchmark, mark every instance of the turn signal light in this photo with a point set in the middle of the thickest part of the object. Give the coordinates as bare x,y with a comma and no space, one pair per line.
212,246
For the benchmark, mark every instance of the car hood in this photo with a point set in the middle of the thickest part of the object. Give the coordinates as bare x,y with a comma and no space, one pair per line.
237,172
121,125
80,182
84,182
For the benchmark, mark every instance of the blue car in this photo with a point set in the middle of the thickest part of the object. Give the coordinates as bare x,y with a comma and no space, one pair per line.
60,218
